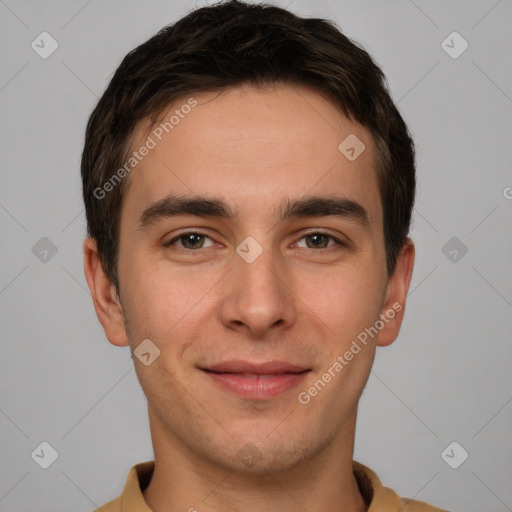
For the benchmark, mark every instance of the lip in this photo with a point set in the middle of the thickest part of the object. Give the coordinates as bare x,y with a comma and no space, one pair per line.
241,366
256,381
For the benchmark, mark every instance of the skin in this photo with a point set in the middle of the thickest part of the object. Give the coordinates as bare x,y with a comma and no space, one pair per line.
252,147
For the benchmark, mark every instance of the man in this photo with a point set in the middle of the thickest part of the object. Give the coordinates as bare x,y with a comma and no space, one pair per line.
248,185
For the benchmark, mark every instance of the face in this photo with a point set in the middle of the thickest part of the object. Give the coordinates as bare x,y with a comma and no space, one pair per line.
255,291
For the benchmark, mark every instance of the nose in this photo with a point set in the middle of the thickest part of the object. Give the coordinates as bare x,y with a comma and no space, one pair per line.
258,297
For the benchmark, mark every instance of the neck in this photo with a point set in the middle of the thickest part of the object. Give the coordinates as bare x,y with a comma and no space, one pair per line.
185,481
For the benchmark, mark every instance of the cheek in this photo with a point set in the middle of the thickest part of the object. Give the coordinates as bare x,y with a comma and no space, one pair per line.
346,299
164,304
150,304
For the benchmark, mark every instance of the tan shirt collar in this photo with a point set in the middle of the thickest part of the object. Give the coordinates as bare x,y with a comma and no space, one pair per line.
377,497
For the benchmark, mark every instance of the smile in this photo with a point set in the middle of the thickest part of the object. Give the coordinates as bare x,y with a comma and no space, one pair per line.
256,381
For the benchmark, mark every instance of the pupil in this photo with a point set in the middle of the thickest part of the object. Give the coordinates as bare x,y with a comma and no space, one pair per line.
191,237
317,238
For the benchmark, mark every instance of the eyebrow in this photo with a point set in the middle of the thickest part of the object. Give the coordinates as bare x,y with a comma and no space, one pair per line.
311,206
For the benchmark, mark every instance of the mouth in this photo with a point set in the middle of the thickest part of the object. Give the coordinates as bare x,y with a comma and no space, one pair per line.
256,381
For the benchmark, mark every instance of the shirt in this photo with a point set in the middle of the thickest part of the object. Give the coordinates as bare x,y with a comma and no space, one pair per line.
377,497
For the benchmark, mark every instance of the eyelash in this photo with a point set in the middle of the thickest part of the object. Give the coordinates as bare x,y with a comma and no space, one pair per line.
183,235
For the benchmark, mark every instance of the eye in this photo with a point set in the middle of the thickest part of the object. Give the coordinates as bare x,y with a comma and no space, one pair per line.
319,240
191,240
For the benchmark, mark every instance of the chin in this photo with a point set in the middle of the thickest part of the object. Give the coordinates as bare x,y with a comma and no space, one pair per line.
259,454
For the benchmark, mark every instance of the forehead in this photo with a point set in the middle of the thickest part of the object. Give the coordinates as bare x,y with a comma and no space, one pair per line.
254,147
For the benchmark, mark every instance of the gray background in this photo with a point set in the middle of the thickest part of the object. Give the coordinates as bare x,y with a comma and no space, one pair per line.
447,377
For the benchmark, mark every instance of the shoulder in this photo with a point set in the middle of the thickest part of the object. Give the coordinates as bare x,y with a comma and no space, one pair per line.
407,505
132,498
383,499
386,499
111,506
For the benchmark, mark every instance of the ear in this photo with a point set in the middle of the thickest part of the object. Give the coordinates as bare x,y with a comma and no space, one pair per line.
106,302
396,294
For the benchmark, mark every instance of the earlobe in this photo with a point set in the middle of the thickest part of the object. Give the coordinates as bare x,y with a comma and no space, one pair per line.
396,294
106,302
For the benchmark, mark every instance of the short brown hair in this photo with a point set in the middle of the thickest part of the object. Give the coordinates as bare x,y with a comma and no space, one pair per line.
234,43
